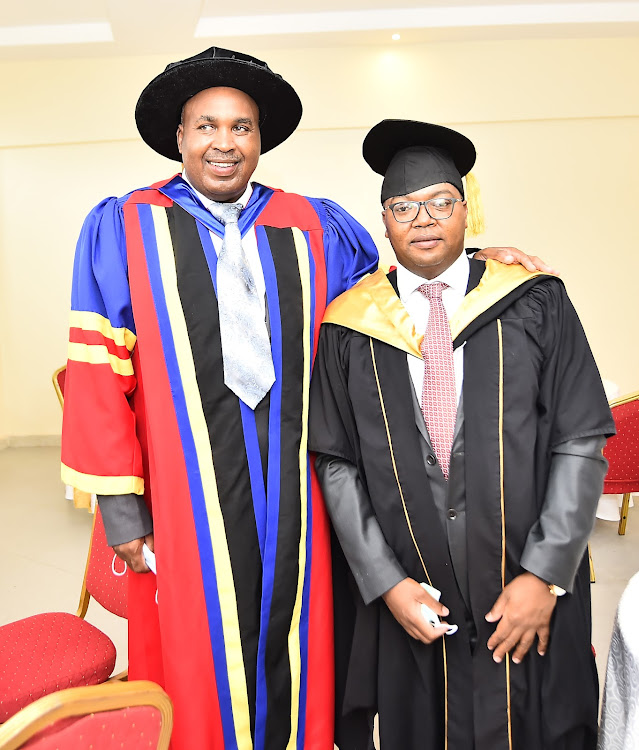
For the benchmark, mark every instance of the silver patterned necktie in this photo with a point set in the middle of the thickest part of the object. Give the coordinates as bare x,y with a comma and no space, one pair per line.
246,348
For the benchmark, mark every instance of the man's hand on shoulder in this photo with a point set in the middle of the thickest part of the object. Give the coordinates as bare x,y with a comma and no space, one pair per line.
523,611
131,553
404,601
511,255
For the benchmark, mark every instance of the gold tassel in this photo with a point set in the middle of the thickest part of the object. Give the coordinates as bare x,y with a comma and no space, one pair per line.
476,222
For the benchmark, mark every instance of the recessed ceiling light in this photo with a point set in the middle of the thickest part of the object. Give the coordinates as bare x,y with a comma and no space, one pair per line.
395,37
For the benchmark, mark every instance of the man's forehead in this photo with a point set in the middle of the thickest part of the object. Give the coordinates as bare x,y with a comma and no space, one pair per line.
218,93
431,191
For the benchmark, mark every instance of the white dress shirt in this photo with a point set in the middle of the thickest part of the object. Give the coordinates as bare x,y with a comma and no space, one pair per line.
418,307
249,241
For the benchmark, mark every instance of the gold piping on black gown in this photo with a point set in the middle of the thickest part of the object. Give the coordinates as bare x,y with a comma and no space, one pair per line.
410,528
503,514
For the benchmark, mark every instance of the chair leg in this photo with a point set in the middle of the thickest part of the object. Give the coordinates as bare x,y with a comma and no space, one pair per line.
625,506
81,499
592,565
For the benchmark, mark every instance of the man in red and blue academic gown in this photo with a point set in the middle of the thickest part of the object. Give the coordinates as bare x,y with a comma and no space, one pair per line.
459,420
241,634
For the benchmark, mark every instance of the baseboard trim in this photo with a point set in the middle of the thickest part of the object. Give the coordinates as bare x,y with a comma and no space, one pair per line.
30,441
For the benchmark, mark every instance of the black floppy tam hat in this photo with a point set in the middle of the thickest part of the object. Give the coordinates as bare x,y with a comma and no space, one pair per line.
158,111
413,155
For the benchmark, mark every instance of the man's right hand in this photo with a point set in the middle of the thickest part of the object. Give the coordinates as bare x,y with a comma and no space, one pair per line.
404,601
131,553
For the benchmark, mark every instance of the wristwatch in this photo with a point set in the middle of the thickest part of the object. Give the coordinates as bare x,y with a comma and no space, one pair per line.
556,590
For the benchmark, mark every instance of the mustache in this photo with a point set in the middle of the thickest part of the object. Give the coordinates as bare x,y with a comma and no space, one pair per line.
217,155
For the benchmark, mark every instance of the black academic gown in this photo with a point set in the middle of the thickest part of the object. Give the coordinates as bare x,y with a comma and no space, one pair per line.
530,383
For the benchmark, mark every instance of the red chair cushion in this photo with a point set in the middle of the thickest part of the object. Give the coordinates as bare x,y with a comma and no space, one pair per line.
622,451
619,487
136,727
48,652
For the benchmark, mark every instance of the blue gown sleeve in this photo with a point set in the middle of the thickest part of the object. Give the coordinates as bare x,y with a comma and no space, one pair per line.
100,274
100,448
349,249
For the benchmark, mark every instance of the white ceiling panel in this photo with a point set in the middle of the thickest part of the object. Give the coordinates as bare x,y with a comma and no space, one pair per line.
38,12
41,29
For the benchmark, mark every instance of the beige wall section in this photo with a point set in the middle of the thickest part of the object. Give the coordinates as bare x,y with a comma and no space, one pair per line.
45,193
555,122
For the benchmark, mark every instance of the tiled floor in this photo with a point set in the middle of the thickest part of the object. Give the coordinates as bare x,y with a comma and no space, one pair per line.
43,546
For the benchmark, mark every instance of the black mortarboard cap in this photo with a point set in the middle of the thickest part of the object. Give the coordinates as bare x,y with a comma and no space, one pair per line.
413,155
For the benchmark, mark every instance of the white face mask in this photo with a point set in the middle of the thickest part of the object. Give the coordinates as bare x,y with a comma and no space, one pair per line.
149,559
114,569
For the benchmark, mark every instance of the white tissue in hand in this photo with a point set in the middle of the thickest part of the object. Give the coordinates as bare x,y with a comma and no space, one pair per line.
427,612
149,558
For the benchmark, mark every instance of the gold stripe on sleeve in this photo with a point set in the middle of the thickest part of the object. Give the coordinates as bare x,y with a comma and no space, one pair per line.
102,485
98,354
91,321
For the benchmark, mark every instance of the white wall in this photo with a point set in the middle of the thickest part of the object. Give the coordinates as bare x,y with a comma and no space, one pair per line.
550,118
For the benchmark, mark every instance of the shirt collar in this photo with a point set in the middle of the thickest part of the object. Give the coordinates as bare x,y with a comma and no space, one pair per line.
206,202
456,276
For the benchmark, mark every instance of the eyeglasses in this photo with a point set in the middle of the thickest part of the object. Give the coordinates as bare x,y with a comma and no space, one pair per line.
436,208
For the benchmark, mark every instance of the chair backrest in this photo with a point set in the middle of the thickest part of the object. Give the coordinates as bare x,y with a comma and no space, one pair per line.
59,376
106,576
622,450
80,499
127,715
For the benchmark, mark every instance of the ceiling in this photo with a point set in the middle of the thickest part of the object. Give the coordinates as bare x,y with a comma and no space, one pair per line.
40,29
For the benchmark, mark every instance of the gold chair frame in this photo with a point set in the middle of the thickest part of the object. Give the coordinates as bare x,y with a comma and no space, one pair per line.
81,499
85,598
625,503
80,701
84,502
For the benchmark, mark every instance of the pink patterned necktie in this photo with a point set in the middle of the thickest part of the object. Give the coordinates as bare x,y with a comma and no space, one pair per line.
439,396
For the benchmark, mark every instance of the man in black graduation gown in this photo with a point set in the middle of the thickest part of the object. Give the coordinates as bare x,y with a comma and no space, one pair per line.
459,435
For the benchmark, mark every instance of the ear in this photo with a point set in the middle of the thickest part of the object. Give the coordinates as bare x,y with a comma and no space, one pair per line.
180,134
385,224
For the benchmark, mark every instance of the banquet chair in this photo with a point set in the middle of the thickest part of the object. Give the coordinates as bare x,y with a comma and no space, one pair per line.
81,499
47,652
622,452
123,715
59,376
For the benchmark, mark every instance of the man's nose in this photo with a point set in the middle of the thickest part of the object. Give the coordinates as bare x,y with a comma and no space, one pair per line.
423,218
223,140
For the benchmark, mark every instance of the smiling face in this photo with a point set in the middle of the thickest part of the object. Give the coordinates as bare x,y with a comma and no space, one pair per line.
426,246
219,139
